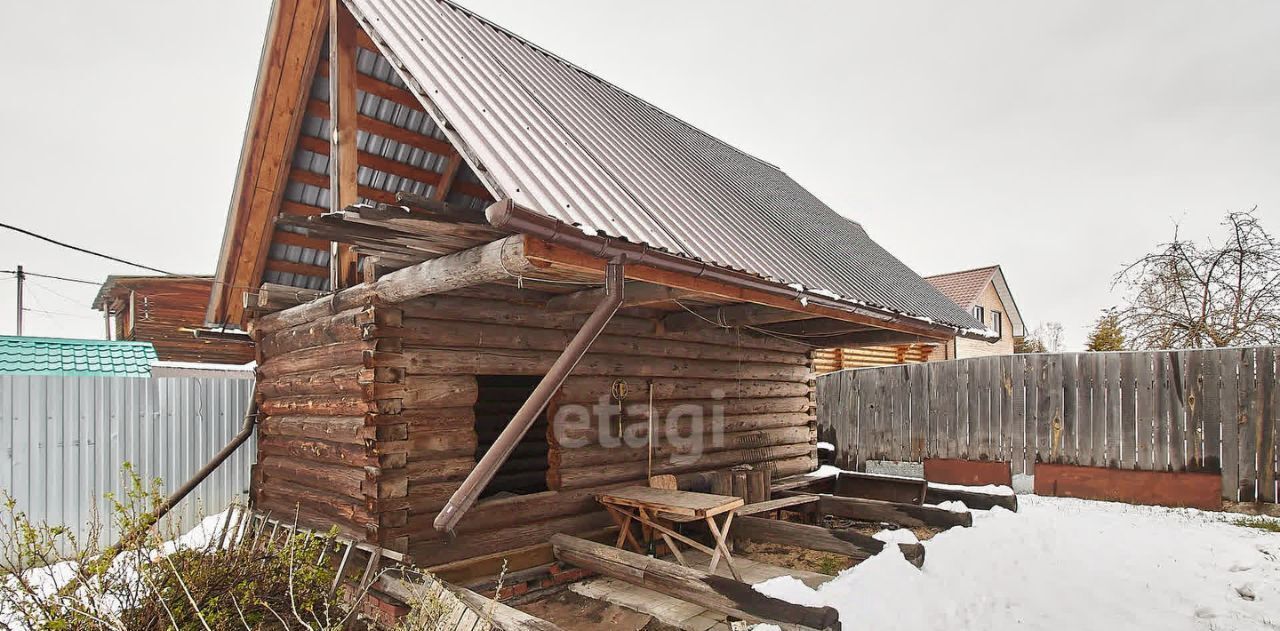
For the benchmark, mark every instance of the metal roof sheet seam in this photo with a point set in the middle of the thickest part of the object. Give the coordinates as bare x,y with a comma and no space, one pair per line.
565,143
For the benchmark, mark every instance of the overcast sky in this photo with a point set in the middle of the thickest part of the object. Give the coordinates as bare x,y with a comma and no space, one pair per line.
1056,139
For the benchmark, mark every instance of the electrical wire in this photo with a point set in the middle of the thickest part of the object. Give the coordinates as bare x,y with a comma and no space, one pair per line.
49,276
82,250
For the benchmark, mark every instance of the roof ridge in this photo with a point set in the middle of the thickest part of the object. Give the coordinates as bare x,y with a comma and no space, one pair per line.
964,271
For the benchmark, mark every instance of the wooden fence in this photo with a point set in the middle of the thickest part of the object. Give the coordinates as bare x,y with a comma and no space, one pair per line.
1202,410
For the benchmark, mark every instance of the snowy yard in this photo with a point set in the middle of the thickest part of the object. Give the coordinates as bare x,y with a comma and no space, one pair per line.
1066,564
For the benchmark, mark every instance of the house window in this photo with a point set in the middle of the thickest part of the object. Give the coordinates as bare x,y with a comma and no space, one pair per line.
980,314
526,470
997,323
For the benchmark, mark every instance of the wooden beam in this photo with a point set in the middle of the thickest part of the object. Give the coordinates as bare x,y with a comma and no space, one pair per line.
730,316
972,499
691,585
446,179
343,154
846,542
497,615
274,297
487,263
877,511
636,295
320,109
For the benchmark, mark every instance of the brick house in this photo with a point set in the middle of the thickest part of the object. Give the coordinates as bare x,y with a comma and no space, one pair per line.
984,293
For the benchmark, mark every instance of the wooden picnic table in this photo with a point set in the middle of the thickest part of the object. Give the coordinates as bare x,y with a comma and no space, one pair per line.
656,509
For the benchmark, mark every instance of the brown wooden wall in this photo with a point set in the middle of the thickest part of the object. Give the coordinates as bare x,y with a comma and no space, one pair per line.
423,401
163,311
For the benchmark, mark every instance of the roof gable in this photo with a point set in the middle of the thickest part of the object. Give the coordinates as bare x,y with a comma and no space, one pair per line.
966,287
540,131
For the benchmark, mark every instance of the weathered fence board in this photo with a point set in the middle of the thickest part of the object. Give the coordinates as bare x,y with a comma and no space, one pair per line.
1201,410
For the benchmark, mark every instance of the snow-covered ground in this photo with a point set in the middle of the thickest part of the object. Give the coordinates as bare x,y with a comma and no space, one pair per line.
1065,564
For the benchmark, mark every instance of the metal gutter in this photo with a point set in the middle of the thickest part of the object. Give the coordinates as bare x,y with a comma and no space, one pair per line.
507,215
511,435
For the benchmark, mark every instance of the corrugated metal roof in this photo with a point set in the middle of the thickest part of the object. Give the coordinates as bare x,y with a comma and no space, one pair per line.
59,356
559,140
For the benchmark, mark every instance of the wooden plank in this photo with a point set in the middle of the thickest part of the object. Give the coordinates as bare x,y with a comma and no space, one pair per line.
344,152
1230,363
1070,406
715,592
1248,404
1267,435
918,379
1046,417
1209,407
1098,410
1084,409
1114,407
1160,386
1144,411
1128,409
1031,378
1017,426
675,502
984,366
1191,397
768,506
964,369
1006,408
1177,412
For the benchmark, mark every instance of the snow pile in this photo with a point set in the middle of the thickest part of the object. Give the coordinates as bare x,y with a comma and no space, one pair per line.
1065,564
990,489
827,446
896,535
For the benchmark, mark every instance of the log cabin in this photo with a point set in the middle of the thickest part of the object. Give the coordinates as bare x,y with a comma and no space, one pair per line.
484,284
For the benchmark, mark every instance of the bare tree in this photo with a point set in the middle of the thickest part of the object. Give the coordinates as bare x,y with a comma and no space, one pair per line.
1187,295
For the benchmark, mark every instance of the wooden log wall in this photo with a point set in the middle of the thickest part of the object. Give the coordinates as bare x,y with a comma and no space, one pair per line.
827,360
333,443
760,388
1199,410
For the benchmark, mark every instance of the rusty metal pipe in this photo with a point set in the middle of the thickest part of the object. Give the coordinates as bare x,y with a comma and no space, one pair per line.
508,215
511,435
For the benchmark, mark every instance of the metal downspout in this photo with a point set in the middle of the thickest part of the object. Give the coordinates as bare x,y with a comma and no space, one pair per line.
511,435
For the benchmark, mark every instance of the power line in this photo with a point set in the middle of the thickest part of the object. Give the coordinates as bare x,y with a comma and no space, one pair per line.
83,250
50,276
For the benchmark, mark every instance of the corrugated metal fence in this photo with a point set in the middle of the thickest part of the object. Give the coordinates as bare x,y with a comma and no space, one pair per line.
63,441
1202,410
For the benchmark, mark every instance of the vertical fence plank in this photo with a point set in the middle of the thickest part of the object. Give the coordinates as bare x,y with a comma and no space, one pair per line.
1128,422
1247,402
1006,407
1229,416
1209,403
1113,410
1084,409
1192,394
1160,365
980,408
1267,431
1017,426
1177,412
962,409
1031,379
1144,410
1098,410
1070,408
1045,418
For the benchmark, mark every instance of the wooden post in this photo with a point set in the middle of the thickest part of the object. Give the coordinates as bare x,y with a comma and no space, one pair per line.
342,113
713,592
891,512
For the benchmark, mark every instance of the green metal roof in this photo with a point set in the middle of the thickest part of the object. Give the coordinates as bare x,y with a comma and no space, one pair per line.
60,356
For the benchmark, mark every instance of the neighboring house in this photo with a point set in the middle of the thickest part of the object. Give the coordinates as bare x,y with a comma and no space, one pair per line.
168,312
984,293
77,358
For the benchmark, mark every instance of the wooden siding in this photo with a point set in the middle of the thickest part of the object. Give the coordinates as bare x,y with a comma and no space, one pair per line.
1199,410
164,311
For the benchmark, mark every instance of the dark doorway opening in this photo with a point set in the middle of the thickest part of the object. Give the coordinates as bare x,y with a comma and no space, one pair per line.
499,398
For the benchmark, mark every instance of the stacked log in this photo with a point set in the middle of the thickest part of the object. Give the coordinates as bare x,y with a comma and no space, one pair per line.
332,447
413,399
